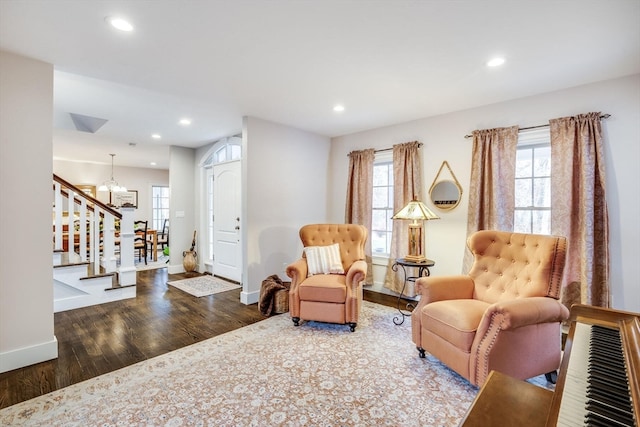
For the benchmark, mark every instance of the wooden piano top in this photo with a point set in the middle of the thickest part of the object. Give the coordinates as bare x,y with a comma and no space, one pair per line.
507,401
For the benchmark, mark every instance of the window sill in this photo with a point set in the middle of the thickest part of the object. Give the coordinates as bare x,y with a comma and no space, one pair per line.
380,260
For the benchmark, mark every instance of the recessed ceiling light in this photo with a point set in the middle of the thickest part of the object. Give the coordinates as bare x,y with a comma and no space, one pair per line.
185,122
153,163
338,108
119,23
156,136
495,62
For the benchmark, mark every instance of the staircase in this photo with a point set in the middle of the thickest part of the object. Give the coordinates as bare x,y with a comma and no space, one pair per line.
89,275
75,285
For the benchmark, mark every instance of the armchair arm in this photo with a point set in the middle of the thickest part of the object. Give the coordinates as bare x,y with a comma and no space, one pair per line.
521,312
432,289
297,271
510,316
356,274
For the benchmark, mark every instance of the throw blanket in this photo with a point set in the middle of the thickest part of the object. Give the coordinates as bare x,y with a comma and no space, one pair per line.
270,286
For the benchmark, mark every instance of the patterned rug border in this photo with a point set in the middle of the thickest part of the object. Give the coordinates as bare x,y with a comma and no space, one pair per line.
205,285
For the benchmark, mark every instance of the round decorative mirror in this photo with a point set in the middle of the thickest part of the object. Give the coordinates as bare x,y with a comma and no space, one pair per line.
445,193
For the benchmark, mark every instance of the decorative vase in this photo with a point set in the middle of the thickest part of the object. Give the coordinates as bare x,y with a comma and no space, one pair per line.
189,262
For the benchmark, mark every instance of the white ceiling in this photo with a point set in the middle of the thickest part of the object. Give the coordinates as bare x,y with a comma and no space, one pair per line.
291,61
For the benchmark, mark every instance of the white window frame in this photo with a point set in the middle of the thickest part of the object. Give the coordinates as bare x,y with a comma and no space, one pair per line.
385,157
228,152
531,140
159,213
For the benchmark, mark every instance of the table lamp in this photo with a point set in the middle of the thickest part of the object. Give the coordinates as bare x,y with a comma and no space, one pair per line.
417,212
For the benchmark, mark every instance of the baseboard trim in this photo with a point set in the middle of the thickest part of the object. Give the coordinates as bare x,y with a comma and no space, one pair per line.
249,298
26,356
175,269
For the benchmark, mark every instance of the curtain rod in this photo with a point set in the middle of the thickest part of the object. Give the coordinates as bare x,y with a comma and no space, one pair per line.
389,149
604,116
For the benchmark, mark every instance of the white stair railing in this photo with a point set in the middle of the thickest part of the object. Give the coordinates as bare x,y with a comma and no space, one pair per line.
95,225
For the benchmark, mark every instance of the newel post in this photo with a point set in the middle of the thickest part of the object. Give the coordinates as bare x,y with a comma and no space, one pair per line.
127,271
109,260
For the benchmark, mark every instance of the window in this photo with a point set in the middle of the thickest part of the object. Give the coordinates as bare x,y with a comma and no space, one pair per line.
382,224
228,152
533,183
160,206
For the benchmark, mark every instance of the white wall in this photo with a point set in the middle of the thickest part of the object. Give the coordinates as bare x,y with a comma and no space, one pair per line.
139,179
26,284
284,186
443,138
182,209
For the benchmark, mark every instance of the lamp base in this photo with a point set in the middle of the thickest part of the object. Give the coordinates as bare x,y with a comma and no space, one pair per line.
415,258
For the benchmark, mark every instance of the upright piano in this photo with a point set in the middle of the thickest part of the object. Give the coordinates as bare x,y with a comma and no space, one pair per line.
598,385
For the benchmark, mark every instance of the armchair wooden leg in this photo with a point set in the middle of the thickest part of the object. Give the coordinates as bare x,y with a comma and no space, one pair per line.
352,325
552,376
296,321
421,352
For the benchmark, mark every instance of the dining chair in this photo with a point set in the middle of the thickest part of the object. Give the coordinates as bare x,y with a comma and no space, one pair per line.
140,239
163,237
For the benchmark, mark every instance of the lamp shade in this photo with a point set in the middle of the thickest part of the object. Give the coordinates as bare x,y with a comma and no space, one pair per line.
415,210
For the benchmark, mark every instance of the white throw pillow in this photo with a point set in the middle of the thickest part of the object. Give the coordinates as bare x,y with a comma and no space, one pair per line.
324,259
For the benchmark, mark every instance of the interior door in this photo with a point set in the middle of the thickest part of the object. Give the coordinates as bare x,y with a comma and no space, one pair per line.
227,251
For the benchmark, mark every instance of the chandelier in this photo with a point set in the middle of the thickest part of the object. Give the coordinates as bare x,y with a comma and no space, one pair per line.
112,185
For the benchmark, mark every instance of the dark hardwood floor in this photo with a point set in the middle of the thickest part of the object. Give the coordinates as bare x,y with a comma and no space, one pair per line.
99,339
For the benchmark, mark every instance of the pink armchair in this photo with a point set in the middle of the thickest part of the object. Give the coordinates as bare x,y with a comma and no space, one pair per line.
504,315
334,295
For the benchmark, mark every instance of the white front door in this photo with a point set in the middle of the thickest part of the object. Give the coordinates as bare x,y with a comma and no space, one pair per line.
227,251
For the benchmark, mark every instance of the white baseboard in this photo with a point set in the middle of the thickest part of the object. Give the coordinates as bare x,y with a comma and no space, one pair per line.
379,288
249,298
175,268
26,356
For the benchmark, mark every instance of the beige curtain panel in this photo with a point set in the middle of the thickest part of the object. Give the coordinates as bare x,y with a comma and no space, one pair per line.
358,206
407,186
579,209
491,188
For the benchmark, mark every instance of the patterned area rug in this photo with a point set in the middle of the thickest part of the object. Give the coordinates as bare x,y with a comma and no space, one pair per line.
270,374
202,286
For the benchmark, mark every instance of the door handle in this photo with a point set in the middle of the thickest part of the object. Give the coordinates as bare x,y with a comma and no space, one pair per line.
237,227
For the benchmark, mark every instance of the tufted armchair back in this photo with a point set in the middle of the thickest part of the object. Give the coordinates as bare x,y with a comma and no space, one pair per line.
512,265
351,238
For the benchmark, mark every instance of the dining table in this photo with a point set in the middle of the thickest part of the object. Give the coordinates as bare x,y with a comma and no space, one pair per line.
152,236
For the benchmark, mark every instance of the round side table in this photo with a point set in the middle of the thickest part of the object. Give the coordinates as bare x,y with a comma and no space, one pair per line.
423,271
